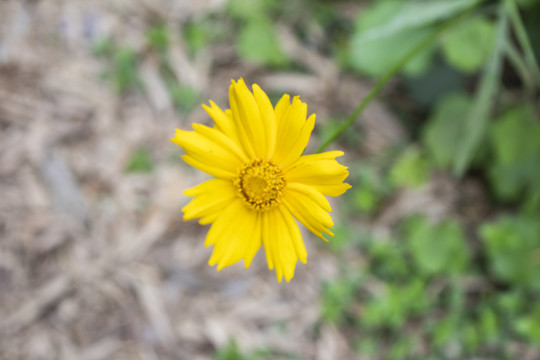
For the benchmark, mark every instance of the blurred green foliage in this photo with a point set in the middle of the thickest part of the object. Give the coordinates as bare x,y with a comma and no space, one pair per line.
468,46
372,189
184,97
448,254
122,72
123,63
411,168
257,39
445,128
157,37
513,248
451,288
258,42
140,161
515,143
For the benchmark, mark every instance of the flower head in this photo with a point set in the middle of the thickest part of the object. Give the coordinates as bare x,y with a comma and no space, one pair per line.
262,182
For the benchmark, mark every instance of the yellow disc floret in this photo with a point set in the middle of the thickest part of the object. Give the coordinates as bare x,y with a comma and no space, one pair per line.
260,183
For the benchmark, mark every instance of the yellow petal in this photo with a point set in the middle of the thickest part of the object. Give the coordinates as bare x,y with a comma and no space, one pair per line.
290,127
223,122
235,234
281,243
222,140
268,118
281,109
209,148
311,193
244,138
321,171
308,213
295,235
299,145
209,168
211,197
247,118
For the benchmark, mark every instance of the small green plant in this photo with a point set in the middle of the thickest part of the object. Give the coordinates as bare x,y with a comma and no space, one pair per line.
140,162
157,37
232,352
122,71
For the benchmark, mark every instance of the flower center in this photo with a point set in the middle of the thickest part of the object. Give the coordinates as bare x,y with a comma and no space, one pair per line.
260,183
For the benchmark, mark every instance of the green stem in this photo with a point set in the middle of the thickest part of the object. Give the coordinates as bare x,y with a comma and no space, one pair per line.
523,39
478,118
519,65
379,85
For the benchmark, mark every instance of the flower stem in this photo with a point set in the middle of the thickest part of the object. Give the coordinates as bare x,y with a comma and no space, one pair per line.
379,85
523,39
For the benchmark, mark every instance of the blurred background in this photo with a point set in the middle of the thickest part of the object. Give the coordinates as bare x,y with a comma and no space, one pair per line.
437,246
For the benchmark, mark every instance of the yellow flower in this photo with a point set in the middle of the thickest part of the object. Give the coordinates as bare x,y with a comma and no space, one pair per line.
262,181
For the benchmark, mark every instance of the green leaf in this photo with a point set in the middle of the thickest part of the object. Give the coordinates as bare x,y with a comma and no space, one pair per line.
259,43
529,326
445,331
437,248
392,17
446,128
411,169
468,46
389,29
375,57
515,139
511,303
489,324
250,10
471,337
513,247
